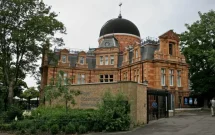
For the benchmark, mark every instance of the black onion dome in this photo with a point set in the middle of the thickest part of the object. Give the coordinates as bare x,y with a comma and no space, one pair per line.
119,25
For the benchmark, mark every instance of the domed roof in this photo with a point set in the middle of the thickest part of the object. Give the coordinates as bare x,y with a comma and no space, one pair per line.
119,25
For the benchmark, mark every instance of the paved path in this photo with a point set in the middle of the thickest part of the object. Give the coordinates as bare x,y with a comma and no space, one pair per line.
195,123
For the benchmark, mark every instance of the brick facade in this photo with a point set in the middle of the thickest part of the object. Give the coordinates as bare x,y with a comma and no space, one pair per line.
132,64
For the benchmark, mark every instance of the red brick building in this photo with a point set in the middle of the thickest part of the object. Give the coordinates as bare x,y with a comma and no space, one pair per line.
122,56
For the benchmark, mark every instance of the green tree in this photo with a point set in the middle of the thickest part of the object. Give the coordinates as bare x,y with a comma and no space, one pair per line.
61,89
29,94
25,28
198,46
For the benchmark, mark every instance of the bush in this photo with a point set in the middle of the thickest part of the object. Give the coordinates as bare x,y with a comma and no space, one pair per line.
5,127
44,128
114,112
24,124
54,129
12,112
70,128
82,129
33,130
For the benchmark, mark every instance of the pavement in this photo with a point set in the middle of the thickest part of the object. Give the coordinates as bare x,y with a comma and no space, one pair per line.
186,123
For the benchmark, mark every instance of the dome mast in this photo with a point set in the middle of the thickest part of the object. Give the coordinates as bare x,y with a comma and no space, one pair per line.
120,16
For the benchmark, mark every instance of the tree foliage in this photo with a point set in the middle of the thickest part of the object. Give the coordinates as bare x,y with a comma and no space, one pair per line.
25,27
29,94
60,88
198,46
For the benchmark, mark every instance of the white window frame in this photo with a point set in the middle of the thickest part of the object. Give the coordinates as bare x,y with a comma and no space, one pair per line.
179,78
136,53
81,60
112,59
81,78
125,76
106,60
106,78
171,77
101,60
65,78
63,58
163,77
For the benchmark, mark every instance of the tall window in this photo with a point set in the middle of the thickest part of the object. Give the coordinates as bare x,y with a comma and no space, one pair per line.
64,79
136,53
112,60
81,60
106,78
179,78
126,57
136,75
163,77
81,78
106,60
171,77
170,48
63,58
101,60
125,76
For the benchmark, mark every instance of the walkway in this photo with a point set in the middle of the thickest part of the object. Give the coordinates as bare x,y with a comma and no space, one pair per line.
195,123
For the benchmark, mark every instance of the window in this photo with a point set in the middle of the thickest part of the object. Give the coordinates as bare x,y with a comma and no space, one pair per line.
112,60
170,48
136,75
106,78
81,60
106,60
101,60
63,58
64,79
179,78
163,77
125,76
81,78
171,77
136,53
126,57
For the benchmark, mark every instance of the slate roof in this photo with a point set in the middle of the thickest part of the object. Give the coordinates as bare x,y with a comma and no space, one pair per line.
147,53
109,42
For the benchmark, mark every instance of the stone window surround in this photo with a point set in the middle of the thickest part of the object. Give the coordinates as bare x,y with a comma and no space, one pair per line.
171,77
163,77
63,58
179,78
105,78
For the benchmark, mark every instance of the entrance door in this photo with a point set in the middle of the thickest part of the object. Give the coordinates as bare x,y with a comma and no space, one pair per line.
161,98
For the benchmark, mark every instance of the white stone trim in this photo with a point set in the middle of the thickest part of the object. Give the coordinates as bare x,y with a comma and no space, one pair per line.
121,34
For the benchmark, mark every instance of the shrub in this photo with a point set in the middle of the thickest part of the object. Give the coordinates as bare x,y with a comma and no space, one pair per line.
82,129
5,127
70,128
54,129
44,128
12,112
114,112
23,125
33,130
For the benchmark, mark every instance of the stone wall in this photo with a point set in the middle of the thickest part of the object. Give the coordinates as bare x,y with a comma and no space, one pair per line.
92,95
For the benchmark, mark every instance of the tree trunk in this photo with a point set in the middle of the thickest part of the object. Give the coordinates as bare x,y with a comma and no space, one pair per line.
10,93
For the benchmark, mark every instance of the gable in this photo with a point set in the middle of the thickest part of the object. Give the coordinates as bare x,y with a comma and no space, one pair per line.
170,35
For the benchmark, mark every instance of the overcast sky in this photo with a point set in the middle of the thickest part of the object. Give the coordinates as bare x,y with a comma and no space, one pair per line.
84,18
